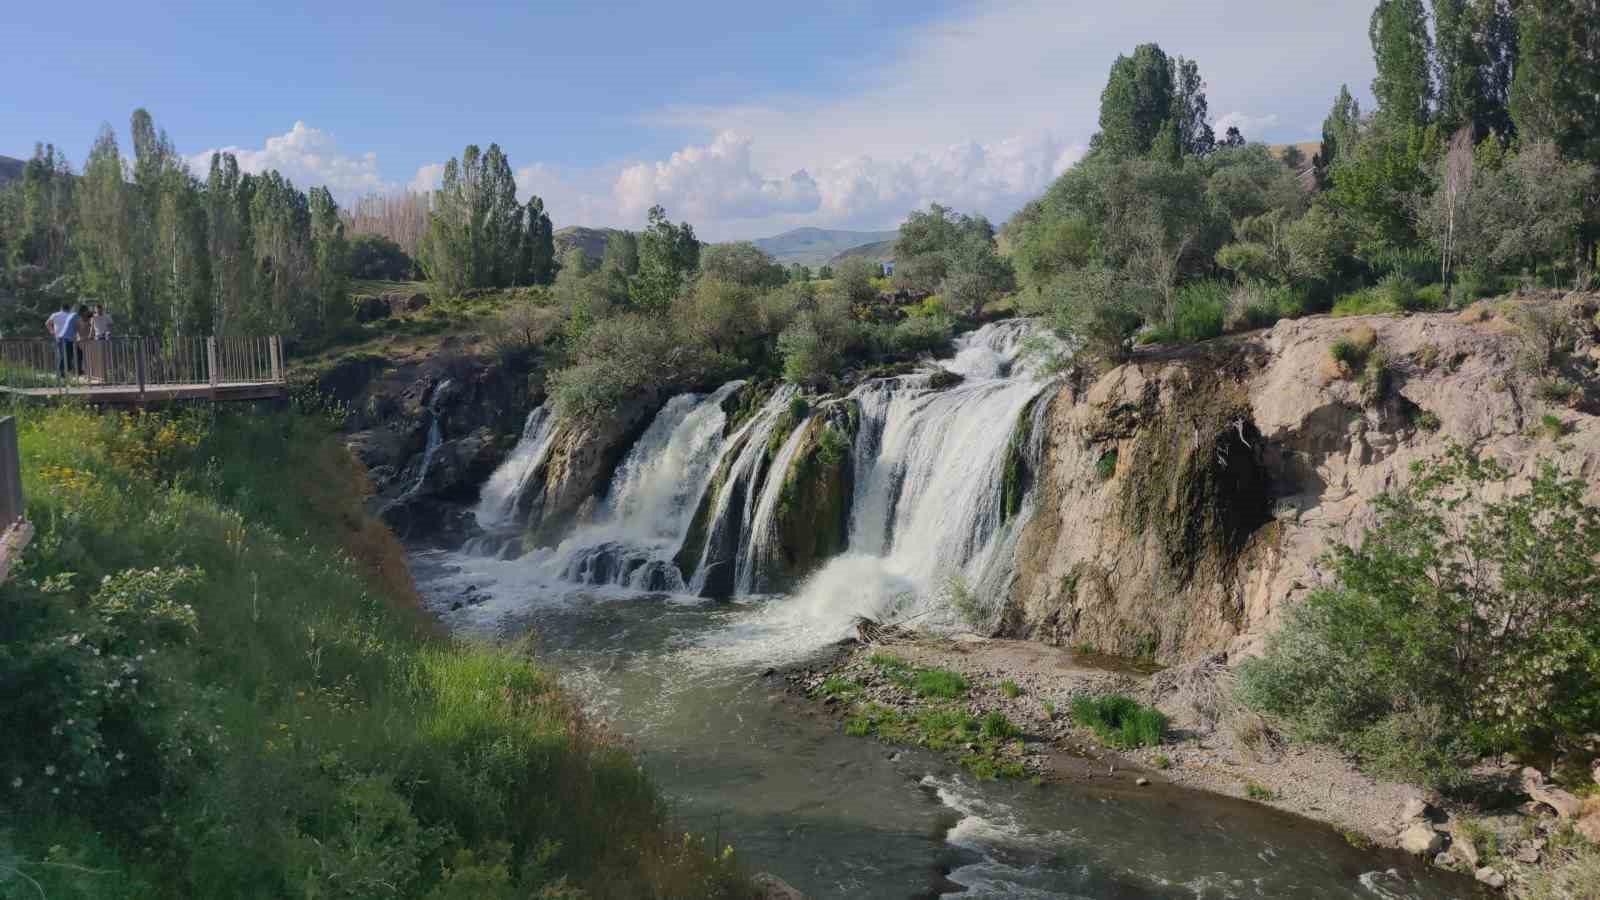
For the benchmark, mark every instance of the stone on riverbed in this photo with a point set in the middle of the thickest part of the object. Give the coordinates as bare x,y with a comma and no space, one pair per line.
1421,840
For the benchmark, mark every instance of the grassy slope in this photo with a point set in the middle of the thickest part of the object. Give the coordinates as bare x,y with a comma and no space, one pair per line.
300,728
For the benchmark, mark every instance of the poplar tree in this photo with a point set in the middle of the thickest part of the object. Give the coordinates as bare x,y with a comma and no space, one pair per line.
1136,102
538,248
1402,50
1340,131
1556,92
104,239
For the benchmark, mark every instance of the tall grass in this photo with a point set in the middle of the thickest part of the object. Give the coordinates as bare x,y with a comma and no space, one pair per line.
285,720
1120,721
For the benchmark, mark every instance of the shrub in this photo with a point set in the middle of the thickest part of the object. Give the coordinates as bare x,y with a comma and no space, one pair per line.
1259,792
1096,310
1546,335
1120,721
1398,292
1202,309
1011,689
1551,428
622,357
996,725
816,343
1106,465
1161,761
1559,391
1426,420
1255,304
1460,624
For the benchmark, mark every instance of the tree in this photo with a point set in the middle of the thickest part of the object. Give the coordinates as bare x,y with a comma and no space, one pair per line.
621,254
1137,100
741,263
1293,158
1234,137
478,234
667,255
104,241
852,280
1340,130
1189,109
538,247
1402,50
1445,217
44,217
1556,92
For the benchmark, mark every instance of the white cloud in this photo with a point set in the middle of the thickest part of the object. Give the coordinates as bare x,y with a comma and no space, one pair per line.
1249,126
716,182
309,157
428,178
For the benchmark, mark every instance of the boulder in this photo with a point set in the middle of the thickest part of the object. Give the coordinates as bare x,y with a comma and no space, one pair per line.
402,302
1414,808
1420,839
1463,849
1490,877
774,888
369,309
1589,826
1565,805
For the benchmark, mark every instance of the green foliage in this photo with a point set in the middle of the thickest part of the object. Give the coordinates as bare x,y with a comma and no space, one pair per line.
478,235
1460,624
1106,465
373,256
1149,92
996,725
839,686
220,685
1557,390
1095,306
939,250
741,263
1010,689
817,342
1402,49
668,254
1161,761
1551,428
941,683
1553,95
624,357
1120,721
1259,792
1202,311
1426,420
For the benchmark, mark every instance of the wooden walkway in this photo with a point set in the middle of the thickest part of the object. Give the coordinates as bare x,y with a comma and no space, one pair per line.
137,371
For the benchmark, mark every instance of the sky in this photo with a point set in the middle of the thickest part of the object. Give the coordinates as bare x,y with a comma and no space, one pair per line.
745,119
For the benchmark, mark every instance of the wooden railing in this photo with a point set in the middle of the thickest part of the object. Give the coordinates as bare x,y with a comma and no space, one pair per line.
145,362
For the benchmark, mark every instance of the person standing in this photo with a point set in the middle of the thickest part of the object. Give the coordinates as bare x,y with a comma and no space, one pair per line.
63,327
101,323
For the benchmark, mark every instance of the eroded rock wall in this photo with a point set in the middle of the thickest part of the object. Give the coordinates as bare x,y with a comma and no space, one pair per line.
1184,499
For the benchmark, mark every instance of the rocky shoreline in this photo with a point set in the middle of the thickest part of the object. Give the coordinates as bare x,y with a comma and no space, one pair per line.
1223,752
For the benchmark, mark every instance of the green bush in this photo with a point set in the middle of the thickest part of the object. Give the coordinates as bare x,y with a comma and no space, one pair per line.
1011,689
1120,721
1459,625
996,725
1398,292
1201,311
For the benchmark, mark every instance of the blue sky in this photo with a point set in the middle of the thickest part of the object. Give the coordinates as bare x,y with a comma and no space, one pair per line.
745,118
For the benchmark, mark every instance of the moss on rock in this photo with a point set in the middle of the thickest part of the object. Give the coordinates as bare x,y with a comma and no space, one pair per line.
813,514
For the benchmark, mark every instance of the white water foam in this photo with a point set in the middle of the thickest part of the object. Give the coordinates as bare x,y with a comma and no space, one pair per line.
497,502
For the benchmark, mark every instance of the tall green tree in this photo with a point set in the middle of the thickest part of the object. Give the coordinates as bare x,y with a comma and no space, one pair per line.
538,245
44,212
1190,110
1136,102
1403,51
1340,131
227,201
1556,92
668,253
104,240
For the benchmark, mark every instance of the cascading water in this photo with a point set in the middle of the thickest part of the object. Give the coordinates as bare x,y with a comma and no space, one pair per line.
497,503
928,515
652,495
430,449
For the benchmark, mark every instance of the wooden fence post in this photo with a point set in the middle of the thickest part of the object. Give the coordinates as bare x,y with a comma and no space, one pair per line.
11,507
212,364
276,345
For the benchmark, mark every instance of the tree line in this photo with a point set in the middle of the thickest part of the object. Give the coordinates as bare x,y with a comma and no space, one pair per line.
1476,172
171,253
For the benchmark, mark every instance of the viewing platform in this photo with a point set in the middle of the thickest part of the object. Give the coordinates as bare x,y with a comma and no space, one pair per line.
136,371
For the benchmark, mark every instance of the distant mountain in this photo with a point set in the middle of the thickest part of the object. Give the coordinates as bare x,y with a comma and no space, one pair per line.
881,251
592,241
815,246
10,169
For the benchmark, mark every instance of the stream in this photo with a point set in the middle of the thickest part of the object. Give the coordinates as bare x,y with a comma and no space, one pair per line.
683,676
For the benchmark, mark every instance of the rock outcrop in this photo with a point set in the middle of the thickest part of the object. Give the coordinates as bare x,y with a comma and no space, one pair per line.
1185,498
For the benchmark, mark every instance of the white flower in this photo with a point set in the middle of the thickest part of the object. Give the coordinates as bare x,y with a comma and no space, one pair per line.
49,771
120,756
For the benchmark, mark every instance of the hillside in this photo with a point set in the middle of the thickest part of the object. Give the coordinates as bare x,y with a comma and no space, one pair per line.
880,251
817,246
592,241
10,169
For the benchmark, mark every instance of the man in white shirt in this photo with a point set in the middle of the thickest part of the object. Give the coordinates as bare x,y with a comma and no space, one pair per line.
63,326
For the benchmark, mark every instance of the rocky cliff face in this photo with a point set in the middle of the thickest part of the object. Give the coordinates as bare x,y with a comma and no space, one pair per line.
1185,498
459,397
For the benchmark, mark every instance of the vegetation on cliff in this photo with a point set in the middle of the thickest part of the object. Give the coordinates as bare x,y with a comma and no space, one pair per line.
1460,626
218,683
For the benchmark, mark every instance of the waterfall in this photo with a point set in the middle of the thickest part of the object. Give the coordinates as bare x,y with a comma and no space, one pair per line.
497,503
652,496
733,510
927,514
435,438
693,508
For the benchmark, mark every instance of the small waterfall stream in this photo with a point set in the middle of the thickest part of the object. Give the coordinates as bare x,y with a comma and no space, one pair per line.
497,503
